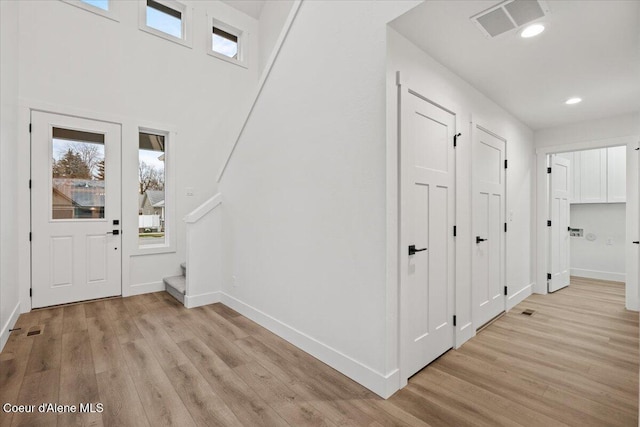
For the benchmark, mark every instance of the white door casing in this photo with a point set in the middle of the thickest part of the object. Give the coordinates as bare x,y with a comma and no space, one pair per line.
427,214
488,221
559,261
75,251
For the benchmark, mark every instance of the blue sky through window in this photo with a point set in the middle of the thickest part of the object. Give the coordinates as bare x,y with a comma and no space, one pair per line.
225,46
100,4
164,22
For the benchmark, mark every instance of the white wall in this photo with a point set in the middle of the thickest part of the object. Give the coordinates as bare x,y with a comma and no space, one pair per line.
604,257
440,85
9,292
272,18
304,193
592,130
74,61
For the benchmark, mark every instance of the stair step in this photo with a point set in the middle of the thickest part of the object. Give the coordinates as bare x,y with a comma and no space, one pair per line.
176,286
183,266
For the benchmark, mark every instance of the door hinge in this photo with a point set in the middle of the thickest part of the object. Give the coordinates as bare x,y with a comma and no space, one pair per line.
29,184
505,163
548,223
30,236
505,291
454,320
455,139
548,170
505,227
30,292
548,276
455,231
29,127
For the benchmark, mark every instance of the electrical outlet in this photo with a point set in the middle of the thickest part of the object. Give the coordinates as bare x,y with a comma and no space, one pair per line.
609,241
189,191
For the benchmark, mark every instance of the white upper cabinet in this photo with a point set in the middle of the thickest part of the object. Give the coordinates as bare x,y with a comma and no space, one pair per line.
593,176
599,176
617,174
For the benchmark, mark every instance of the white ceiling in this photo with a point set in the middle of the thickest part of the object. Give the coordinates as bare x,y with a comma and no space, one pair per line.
252,8
589,49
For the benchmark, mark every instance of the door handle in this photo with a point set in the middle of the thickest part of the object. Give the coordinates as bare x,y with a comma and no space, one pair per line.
479,239
114,232
636,242
413,250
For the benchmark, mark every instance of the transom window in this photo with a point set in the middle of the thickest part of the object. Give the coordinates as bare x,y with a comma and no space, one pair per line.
100,4
228,43
169,19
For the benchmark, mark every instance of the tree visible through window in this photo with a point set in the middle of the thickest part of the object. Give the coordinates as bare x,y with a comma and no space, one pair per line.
151,189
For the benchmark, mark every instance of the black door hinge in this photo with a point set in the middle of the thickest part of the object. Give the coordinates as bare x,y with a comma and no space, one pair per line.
548,276
29,127
454,320
455,231
30,292
29,236
505,163
505,227
548,170
548,223
29,184
455,139
505,291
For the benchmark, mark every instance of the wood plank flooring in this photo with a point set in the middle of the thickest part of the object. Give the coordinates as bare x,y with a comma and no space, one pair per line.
151,362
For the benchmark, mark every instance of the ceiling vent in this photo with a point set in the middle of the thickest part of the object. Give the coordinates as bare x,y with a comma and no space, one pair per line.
508,15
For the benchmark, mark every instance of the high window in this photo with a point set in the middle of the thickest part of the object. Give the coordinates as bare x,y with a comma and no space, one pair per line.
99,7
169,19
227,43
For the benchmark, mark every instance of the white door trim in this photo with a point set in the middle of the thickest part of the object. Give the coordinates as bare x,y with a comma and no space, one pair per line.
632,224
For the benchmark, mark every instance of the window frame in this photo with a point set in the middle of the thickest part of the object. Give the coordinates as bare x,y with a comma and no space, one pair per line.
185,19
170,231
242,42
109,14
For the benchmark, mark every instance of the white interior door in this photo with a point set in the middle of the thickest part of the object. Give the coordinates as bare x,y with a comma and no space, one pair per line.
488,219
75,205
427,217
559,235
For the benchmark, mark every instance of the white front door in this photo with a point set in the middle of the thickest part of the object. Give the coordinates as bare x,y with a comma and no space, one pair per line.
488,256
75,209
427,255
559,182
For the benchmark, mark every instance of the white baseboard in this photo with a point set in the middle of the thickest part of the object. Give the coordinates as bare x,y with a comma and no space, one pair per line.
382,385
10,323
600,275
192,301
143,288
519,296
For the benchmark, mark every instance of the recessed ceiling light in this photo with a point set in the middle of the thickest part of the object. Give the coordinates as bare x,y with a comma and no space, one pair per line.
532,30
572,101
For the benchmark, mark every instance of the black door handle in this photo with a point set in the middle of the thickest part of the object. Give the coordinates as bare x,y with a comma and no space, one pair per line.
114,232
413,250
479,239
637,242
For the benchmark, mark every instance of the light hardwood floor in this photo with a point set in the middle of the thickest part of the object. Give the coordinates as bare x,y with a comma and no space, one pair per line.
152,362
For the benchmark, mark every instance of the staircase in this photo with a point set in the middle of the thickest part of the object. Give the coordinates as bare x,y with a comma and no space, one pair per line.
176,285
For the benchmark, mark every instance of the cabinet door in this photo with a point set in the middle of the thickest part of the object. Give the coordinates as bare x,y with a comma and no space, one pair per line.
593,176
617,174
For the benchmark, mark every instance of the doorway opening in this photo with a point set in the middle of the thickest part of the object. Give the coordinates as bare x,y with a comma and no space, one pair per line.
588,217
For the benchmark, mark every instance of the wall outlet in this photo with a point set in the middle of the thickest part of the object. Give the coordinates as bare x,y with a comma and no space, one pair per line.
189,191
610,241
